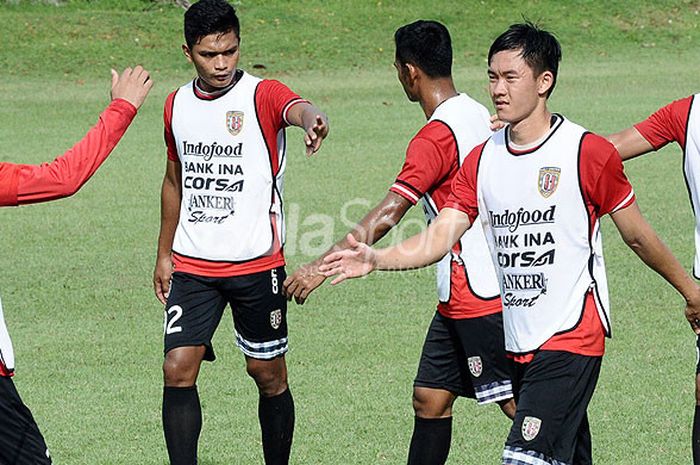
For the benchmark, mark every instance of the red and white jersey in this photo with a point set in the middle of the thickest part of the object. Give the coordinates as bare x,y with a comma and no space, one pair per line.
680,122
466,279
232,153
27,184
540,209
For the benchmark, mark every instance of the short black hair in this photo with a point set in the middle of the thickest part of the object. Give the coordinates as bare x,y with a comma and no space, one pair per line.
210,17
539,48
427,45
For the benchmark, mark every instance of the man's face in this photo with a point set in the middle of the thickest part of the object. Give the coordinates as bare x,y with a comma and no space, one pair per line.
513,86
215,57
402,72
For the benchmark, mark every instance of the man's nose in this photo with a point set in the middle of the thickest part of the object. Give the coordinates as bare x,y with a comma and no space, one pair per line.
219,62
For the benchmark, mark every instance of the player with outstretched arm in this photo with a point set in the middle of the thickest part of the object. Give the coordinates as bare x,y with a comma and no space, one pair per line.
222,226
539,187
463,353
21,442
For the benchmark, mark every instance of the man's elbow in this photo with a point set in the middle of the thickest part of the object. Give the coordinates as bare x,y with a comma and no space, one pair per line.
637,241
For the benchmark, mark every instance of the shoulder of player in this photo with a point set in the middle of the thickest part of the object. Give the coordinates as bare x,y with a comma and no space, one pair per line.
171,97
434,132
268,86
596,154
594,145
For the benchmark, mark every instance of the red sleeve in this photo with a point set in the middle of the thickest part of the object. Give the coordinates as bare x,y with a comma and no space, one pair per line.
605,187
67,173
430,158
168,125
668,124
273,101
9,178
463,196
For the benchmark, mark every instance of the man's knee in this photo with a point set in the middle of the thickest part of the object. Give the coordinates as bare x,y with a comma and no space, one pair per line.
507,407
181,366
432,403
269,375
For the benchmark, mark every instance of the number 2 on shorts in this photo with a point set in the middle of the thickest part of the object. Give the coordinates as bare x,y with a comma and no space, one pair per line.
169,325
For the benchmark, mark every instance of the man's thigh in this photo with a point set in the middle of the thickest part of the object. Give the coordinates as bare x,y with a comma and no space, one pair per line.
442,363
554,392
21,442
259,313
193,312
483,344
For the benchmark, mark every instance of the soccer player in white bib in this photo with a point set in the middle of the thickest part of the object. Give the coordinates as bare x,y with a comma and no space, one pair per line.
222,228
677,122
463,353
21,442
539,187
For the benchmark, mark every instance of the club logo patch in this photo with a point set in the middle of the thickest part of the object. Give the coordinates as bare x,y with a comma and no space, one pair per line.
548,181
531,427
234,122
276,318
475,366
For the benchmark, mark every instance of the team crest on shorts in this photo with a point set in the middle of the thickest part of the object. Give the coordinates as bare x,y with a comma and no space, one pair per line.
548,181
276,318
531,427
475,366
234,122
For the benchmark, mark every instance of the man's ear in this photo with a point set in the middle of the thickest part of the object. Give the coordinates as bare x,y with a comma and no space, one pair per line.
188,53
545,82
411,72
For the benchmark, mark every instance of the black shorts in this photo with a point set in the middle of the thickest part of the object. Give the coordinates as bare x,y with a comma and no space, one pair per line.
466,357
697,351
21,443
196,304
552,395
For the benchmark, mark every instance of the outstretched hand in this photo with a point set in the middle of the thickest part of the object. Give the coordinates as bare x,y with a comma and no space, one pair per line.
357,261
133,85
315,134
303,282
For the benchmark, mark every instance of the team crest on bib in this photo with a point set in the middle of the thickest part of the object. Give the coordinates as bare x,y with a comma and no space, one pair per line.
475,367
531,427
548,181
276,318
234,122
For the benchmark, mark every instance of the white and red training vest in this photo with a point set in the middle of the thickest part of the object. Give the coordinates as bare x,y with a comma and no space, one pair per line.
468,121
231,209
539,234
691,167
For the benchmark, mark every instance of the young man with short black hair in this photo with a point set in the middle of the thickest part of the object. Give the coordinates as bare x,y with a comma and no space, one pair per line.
539,186
463,354
222,228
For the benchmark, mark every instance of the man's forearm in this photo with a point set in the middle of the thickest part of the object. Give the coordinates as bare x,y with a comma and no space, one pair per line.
427,247
68,173
376,224
649,247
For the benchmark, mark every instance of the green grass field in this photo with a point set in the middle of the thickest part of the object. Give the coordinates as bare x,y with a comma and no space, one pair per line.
75,275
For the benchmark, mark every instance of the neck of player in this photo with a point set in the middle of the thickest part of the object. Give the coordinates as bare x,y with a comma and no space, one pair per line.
531,128
434,92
